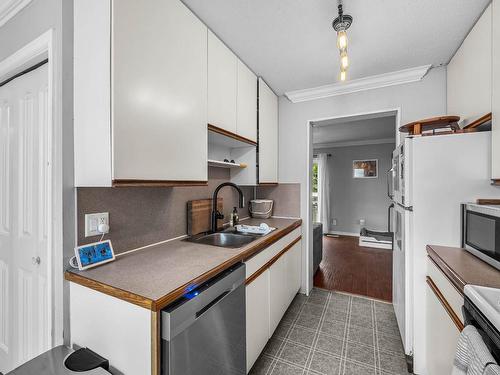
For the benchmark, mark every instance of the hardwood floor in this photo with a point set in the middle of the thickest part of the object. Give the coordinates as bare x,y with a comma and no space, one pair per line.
347,267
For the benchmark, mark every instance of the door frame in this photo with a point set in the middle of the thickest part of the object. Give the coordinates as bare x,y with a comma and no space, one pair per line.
35,51
309,282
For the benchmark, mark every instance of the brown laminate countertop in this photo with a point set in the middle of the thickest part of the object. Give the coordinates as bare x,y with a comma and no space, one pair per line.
462,268
156,276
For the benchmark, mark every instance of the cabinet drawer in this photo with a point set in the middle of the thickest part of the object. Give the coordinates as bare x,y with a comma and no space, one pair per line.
259,260
449,292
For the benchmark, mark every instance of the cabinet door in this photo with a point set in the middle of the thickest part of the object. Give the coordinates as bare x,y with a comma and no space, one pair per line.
222,84
246,125
442,337
159,86
293,270
257,312
278,292
268,134
495,126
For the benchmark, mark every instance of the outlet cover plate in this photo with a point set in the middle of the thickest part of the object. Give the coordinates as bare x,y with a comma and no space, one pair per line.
92,222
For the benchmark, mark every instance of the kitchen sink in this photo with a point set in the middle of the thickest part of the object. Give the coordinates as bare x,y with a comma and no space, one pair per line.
223,239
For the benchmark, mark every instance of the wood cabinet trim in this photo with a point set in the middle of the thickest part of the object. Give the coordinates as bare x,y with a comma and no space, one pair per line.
273,260
109,290
488,201
232,135
445,304
495,181
156,183
155,343
268,184
480,121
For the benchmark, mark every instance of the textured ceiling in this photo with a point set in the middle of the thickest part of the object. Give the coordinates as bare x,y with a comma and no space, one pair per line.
292,45
354,130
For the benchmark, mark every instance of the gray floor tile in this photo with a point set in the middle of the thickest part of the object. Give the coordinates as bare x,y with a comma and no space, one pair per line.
273,345
308,321
282,368
361,334
392,362
330,344
294,353
294,342
390,343
360,353
302,335
333,328
261,366
325,364
358,369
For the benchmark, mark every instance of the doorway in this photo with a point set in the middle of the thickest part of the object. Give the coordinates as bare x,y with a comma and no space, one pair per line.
351,157
28,304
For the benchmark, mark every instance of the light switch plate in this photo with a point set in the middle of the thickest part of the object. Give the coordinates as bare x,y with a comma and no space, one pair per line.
92,222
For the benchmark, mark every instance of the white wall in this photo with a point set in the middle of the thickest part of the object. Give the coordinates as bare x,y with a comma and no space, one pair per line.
352,199
417,100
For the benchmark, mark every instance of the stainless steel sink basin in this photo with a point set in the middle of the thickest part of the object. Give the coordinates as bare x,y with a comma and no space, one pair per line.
223,239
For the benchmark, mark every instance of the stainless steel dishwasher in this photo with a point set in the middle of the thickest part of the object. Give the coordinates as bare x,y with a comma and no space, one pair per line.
204,332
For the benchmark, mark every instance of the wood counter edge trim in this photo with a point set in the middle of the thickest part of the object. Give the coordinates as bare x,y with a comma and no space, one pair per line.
451,275
232,135
155,343
273,260
486,201
478,122
98,286
495,181
445,304
156,183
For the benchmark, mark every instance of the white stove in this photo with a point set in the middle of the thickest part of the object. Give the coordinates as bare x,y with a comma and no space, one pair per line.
487,300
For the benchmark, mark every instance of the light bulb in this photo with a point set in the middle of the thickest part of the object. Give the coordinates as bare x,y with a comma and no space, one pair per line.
344,60
342,40
343,75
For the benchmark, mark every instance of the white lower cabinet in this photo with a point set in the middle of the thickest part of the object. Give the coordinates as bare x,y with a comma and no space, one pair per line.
278,292
257,311
269,295
442,337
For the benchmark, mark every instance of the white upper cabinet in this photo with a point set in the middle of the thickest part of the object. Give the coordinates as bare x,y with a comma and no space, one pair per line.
147,121
268,134
159,85
222,85
246,125
495,134
469,73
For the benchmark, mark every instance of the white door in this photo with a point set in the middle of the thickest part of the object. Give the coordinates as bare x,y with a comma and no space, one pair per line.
24,219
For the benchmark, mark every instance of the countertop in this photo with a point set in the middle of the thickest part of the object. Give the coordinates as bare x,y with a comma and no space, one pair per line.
462,268
156,276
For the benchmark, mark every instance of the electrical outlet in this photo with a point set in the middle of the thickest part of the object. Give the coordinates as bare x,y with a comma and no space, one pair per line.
362,221
92,222
334,221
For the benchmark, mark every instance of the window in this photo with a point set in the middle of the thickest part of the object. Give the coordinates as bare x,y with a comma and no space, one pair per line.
315,217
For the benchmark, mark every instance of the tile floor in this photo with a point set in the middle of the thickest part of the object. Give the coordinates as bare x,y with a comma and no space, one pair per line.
333,333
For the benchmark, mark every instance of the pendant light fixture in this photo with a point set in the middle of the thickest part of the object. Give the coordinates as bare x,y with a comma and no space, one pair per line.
340,25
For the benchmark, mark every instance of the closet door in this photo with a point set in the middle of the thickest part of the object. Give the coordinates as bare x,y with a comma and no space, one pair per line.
159,92
268,134
222,84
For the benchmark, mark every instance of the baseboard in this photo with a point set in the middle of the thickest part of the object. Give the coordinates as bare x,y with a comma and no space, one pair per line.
339,233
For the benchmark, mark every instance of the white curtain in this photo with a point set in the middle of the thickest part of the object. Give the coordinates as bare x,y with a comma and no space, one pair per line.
324,192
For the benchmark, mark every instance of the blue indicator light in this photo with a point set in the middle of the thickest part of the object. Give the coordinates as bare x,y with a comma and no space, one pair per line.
191,295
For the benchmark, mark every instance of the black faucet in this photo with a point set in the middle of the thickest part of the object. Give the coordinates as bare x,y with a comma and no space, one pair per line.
215,213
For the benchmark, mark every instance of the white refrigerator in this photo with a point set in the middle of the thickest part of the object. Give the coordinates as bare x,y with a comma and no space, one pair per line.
430,178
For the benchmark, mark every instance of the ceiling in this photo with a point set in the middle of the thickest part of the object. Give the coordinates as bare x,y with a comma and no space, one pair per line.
355,130
292,45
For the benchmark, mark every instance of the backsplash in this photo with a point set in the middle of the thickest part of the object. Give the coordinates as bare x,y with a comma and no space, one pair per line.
142,216
286,198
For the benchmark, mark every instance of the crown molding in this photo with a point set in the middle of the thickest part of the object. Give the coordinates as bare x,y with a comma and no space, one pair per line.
399,77
321,146
10,8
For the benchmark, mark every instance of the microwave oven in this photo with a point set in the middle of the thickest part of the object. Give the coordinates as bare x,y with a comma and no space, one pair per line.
481,232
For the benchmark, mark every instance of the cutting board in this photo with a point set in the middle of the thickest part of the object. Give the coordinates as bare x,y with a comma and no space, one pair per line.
199,215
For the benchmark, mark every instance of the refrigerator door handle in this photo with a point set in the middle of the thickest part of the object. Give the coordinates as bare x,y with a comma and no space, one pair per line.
390,193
